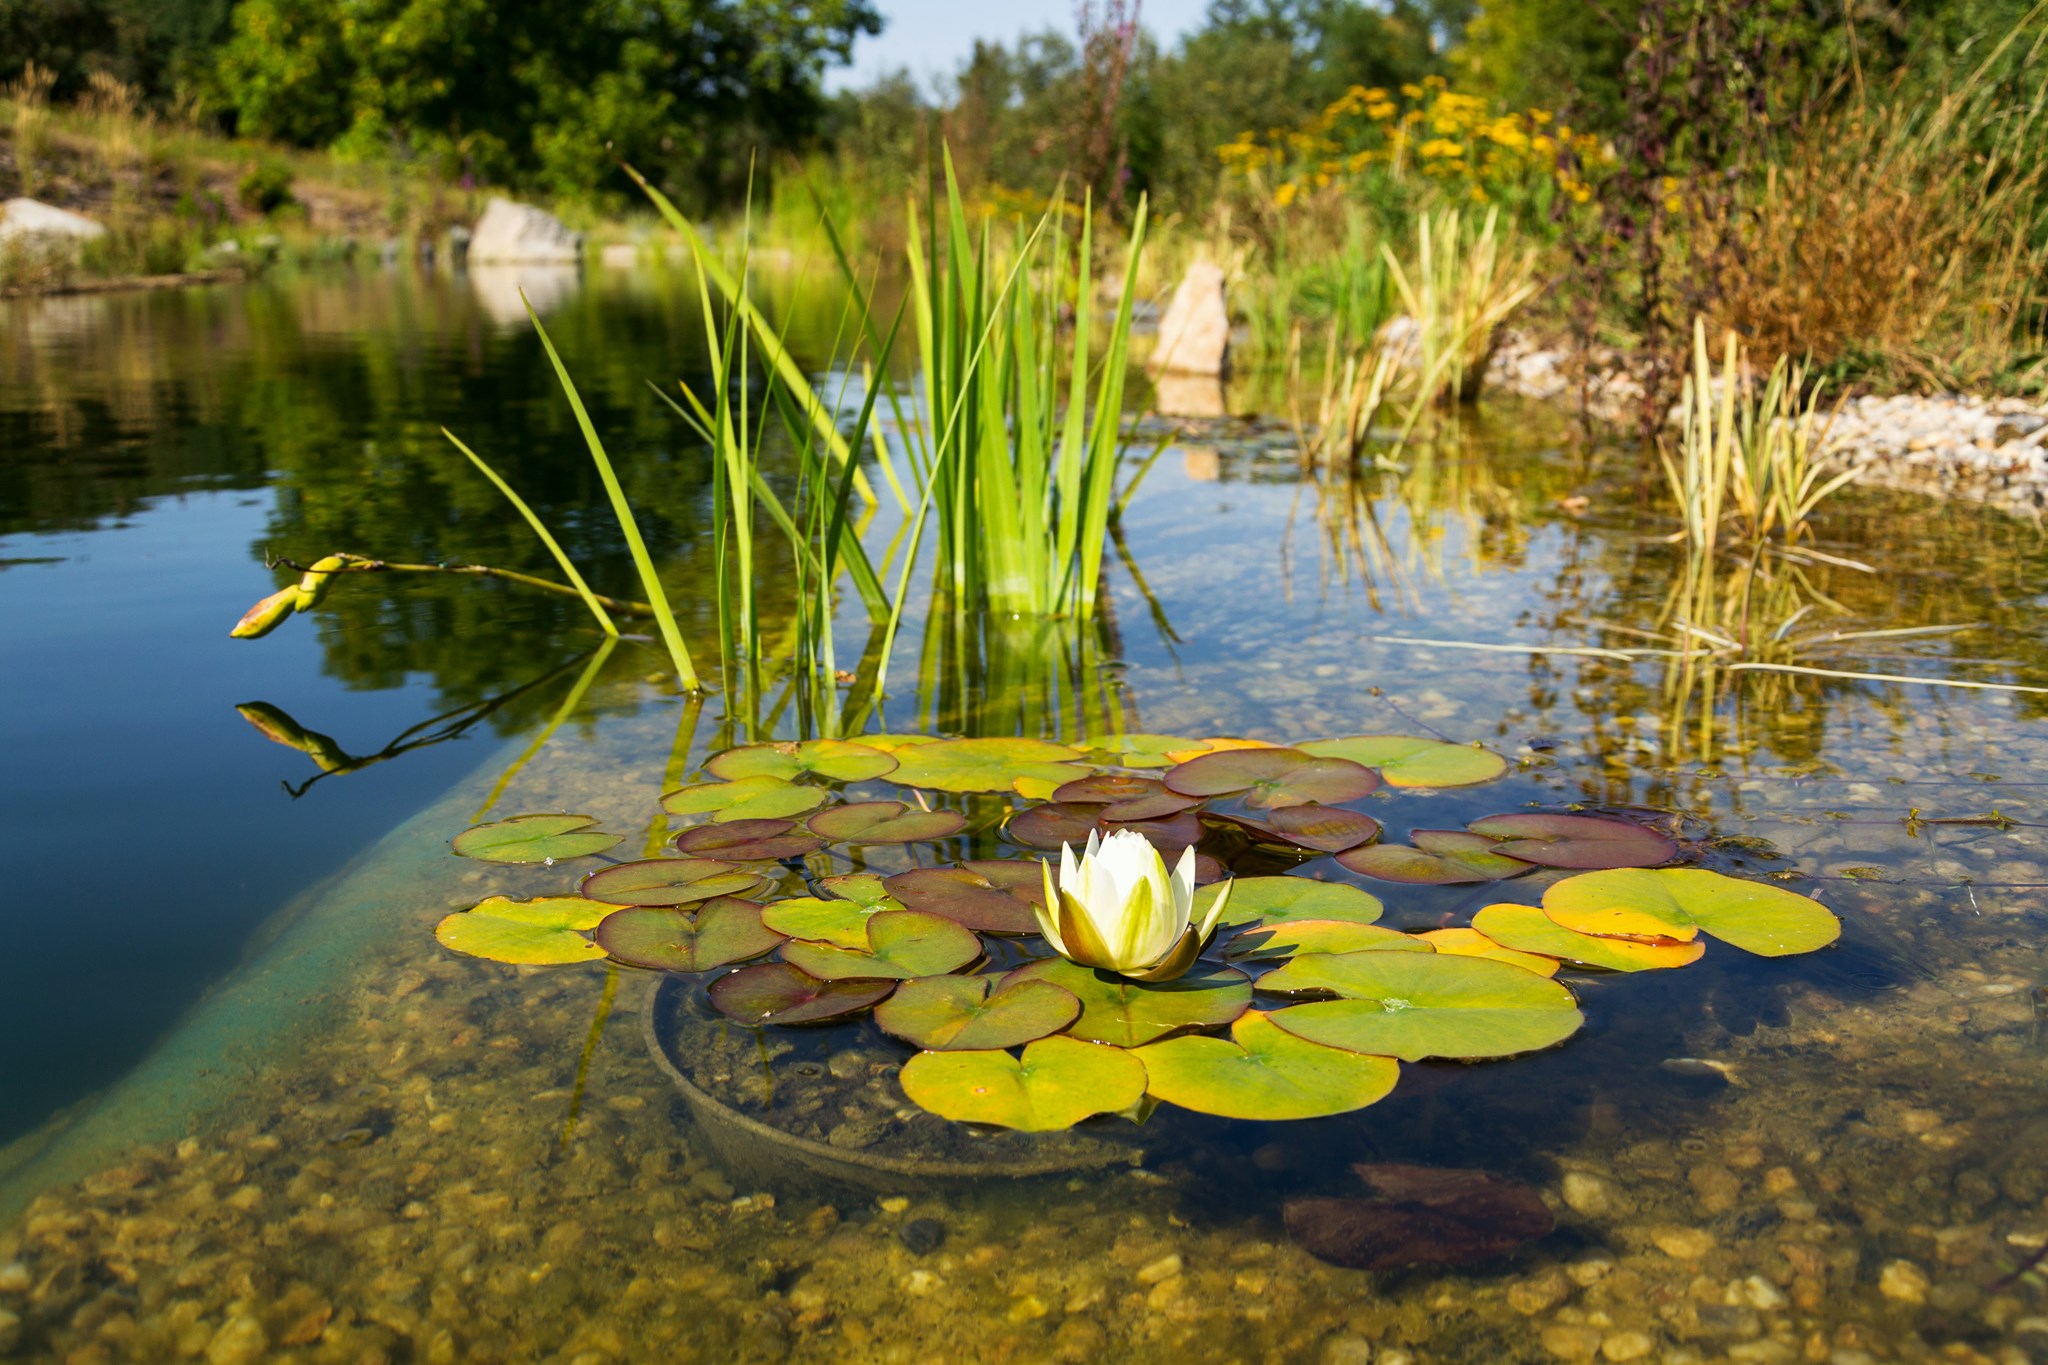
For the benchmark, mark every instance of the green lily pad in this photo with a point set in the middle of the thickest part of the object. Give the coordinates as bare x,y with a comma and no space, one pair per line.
1292,938
984,765
1326,829
669,881
1405,761
749,841
966,1013
1145,750
1472,943
1527,929
1753,916
901,944
890,744
1275,900
1441,857
669,939
842,923
1057,1083
862,888
968,897
884,822
1417,1005
749,798
534,839
836,760
1131,1013
1057,823
1264,1072
777,993
1575,841
1273,777
534,932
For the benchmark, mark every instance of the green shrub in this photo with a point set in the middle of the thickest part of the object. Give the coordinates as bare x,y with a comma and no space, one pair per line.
266,187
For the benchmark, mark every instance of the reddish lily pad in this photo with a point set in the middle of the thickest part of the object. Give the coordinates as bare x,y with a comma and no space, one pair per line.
669,881
534,839
967,897
1123,797
1057,1083
964,1013
777,993
1405,761
749,798
837,760
1051,825
1423,1215
884,822
1132,1013
723,931
1575,841
749,841
1264,1072
1441,857
1326,829
1273,777
901,944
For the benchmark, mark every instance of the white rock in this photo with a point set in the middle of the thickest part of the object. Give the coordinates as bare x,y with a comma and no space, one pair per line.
1194,336
30,222
619,255
510,232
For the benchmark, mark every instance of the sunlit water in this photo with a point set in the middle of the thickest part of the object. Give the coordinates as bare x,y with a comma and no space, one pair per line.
258,1113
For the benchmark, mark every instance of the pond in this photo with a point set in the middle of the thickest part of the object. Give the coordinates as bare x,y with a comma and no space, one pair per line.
254,1110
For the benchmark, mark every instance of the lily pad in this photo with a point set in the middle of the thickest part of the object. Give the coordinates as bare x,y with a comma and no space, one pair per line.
1417,1005
1020,877
1132,1013
1422,1215
984,765
893,743
884,822
967,897
1529,930
749,798
669,881
1575,841
1057,823
534,839
1277,900
1264,1072
862,888
842,923
1472,943
749,841
1753,916
1057,1083
665,938
1273,777
1124,797
1147,751
1441,857
1326,829
836,760
535,932
1292,938
964,1013
1405,761
901,944
777,993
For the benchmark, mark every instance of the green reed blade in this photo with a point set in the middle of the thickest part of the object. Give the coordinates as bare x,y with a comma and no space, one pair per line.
546,537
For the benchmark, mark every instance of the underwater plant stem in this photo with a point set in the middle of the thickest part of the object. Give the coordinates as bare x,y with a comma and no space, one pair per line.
590,599
597,1023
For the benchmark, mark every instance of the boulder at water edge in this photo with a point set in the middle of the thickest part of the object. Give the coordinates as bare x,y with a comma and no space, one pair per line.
523,234
1194,336
32,223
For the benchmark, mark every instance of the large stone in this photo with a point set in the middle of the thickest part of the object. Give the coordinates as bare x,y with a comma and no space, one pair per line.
522,234
1194,336
32,223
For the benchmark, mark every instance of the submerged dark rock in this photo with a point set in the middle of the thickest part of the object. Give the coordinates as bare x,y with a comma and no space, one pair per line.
1421,1215
922,1235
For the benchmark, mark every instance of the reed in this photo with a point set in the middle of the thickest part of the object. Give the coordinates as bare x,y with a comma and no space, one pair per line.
1459,292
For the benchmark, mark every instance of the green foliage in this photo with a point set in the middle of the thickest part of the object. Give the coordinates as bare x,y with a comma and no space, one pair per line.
265,187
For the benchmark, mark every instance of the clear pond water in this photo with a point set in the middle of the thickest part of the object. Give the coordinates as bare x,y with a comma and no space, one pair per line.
253,1111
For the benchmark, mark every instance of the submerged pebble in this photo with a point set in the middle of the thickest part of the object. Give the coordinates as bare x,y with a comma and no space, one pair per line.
922,1236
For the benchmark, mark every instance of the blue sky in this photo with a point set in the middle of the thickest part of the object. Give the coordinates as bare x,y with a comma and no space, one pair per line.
932,37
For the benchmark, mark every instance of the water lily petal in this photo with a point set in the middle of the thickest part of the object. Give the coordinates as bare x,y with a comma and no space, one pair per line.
1047,917
1083,944
1175,963
1208,924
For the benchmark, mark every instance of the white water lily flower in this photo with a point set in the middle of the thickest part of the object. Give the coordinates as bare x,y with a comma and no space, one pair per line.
1117,908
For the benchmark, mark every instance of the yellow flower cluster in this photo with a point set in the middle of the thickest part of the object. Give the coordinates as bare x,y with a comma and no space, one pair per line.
1424,129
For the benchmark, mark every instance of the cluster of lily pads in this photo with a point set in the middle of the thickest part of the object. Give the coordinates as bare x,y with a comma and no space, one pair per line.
1300,1005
